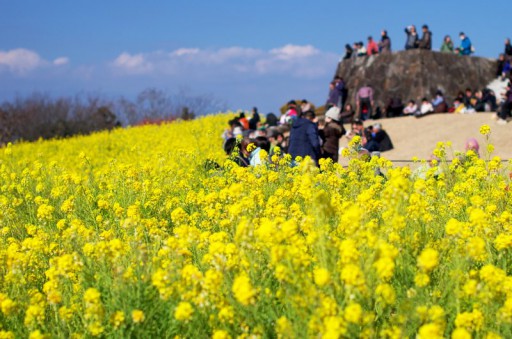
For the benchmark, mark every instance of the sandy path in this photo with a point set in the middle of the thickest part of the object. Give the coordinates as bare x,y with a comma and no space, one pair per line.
418,137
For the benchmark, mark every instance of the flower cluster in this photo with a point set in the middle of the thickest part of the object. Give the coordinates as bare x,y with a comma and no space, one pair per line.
128,233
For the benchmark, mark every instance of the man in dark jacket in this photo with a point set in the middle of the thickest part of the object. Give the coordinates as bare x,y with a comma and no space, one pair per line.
426,39
304,140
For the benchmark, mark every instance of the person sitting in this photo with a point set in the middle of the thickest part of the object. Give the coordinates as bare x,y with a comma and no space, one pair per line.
439,103
465,46
447,46
361,50
506,107
426,107
348,52
426,39
377,139
458,106
372,48
411,108
234,152
489,100
394,108
469,101
347,116
412,38
478,101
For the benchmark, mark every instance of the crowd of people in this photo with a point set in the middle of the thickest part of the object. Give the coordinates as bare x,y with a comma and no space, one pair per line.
468,101
413,41
298,132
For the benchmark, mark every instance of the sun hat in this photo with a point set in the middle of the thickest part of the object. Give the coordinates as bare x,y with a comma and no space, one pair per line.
333,113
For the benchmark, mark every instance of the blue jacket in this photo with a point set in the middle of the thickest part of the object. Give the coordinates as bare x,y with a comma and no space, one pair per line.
465,46
304,139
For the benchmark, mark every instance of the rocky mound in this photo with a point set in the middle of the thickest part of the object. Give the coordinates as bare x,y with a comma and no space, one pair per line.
415,74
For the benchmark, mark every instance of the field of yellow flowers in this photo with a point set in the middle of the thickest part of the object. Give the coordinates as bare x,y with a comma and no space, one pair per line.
131,233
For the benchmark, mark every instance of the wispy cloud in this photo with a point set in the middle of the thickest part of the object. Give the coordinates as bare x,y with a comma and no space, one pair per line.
61,61
21,61
133,64
295,60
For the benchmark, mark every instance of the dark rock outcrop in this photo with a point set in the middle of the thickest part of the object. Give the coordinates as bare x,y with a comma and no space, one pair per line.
415,74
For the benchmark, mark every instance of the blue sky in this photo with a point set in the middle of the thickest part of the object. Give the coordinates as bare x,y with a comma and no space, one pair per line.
247,53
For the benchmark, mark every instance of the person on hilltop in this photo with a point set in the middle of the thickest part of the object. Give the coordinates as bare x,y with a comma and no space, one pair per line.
412,38
304,138
332,131
426,39
348,52
508,49
361,50
447,46
465,45
385,43
372,48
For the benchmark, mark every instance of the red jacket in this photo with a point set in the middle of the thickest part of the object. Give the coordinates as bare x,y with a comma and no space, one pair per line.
372,48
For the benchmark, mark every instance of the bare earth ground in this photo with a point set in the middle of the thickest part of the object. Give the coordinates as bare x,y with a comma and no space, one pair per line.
418,137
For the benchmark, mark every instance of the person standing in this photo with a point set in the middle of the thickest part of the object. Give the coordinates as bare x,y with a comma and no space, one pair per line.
412,38
426,39
385,42
333,131
508,49
304,138
364,99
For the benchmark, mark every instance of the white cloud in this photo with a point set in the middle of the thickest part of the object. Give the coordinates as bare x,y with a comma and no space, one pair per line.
185,51
61,61
303,61
290,52
20,60
135,64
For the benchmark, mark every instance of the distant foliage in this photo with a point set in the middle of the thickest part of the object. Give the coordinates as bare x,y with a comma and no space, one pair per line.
41,116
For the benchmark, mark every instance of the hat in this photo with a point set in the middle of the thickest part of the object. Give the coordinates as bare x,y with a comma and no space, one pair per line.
377,125
333,113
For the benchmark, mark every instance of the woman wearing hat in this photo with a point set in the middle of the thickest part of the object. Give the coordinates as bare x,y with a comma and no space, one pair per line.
333,131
